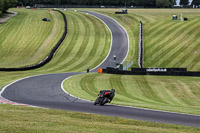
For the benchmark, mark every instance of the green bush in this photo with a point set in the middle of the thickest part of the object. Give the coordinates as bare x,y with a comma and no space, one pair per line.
6,4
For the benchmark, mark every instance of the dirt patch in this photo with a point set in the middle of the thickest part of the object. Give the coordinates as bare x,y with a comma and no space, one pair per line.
7,16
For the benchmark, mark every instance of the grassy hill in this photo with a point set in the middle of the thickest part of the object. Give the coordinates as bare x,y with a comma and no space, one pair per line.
176,94
26,39
167,43
87,44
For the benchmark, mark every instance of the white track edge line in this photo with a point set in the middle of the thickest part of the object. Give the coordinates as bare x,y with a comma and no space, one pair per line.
79,74
161,111
111,43
122,28
62,86
111,37
122,61
3,89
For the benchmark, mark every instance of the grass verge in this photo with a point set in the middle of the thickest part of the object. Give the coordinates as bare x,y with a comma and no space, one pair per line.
176,94
24,119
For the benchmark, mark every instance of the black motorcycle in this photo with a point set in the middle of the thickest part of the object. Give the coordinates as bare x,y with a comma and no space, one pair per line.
103,98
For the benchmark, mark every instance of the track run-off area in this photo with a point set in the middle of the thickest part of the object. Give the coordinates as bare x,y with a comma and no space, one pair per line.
47,91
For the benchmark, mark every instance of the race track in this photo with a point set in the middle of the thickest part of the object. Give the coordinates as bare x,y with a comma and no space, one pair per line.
46,91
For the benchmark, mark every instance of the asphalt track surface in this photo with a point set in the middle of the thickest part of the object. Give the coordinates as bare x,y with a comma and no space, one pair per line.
46,90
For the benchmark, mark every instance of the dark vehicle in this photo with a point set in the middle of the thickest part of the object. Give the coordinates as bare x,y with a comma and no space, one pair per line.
123,11
46,19
104,97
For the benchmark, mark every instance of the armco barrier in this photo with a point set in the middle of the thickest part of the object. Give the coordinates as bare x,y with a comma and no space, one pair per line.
140,49
48,58
159,71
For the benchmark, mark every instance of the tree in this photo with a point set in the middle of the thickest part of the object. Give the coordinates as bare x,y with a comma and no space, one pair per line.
6,4
184,3
148,3
163,3
196,3
2,5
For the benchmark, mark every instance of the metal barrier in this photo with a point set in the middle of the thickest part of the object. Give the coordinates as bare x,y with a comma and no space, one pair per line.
140,52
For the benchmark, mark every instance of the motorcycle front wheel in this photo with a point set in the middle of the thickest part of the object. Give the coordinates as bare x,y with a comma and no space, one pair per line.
96,101
104,101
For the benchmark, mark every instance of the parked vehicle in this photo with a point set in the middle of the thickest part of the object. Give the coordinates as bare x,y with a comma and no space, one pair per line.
123,11
28,7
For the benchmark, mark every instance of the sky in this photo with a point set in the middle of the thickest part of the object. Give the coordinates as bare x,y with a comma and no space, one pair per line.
178,1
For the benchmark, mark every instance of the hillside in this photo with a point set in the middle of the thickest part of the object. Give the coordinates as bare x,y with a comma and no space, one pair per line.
167,43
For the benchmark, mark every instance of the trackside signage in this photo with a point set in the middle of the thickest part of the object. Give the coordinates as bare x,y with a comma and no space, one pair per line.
156,70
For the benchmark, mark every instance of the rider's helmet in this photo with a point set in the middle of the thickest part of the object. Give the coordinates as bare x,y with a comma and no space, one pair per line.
113,90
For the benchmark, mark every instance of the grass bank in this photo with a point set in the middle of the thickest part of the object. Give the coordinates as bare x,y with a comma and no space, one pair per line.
83,47
23,119
87,43
167,43
176,94
26,39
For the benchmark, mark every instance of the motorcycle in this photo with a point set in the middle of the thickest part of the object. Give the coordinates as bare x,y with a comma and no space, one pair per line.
103,98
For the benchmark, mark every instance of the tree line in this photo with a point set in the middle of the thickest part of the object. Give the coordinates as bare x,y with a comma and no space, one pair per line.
137,3
140,3
6,4
196,3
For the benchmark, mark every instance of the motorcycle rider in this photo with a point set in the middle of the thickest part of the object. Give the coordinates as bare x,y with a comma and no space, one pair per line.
112,93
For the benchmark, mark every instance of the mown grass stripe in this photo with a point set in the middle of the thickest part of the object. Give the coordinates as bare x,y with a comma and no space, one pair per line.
133,89
98,37
96,45
161,29
28,40
68,44
123,95
177,94
175,36
155,28
90,46
142,18
173,50
78,40
181,48
83,42
87,84
166,35
194,63
183,57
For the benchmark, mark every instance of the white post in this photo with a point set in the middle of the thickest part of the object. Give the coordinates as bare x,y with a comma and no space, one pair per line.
181,17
